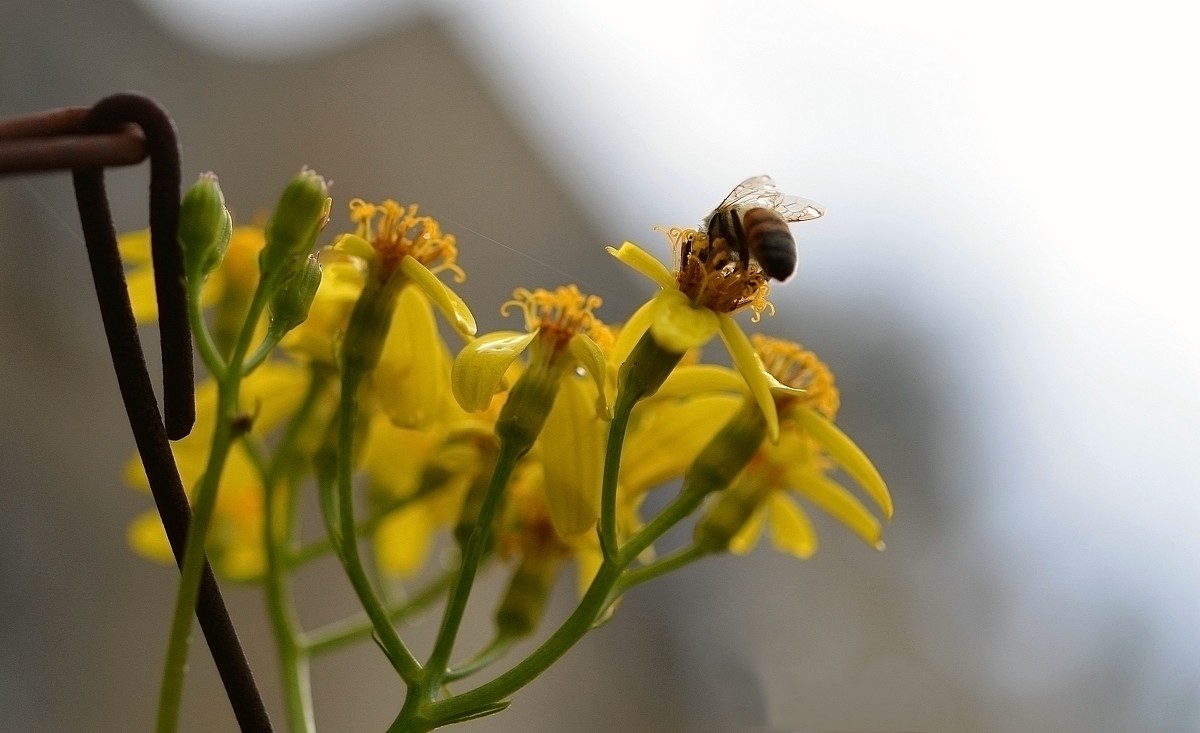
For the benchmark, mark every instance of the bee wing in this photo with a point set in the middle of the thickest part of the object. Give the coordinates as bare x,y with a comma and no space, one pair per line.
756,191
794,208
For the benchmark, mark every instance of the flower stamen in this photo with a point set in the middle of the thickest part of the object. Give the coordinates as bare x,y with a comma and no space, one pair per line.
715,276
560,314
396,232
796,367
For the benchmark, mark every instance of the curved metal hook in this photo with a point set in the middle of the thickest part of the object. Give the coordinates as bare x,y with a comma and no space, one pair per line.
120,130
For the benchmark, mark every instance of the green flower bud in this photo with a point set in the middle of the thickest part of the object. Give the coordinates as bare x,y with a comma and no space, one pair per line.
528,592
716,467
204,227
644,371
369,324
725,518
728,452
301,213
293,296
528,404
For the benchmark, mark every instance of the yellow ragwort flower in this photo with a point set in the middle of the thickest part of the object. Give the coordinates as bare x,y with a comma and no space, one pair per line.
564,330
697,301
394,239
810,445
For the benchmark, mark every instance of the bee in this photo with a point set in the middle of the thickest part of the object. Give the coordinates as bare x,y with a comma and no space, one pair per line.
753,219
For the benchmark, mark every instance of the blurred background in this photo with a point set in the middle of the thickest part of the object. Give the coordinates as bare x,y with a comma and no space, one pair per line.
1004,285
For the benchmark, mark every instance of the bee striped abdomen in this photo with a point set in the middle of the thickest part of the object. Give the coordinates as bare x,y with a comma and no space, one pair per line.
769,241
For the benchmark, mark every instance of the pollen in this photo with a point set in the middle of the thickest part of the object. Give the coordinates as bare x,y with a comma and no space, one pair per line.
796,367
560,314
396,231
716,276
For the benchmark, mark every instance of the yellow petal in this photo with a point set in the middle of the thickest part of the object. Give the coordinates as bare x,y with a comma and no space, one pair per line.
271,394
148,538
744,542
412,378
848,455
355,246
481,364
573,458
134,247
588,559
632,332
645,263
440,295
837,501
666,437
747,362
591,358
393,457
695,379
791,530
678,325
403,540
142,296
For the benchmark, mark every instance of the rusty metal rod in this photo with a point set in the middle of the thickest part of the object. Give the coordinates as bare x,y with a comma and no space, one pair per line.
50,141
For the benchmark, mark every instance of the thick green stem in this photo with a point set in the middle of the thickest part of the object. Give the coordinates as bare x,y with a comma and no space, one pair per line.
640,376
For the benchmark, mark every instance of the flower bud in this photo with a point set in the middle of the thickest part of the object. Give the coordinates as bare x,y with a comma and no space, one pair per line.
729,451
528,592
293,296
204,227
529,402
725,518
302,211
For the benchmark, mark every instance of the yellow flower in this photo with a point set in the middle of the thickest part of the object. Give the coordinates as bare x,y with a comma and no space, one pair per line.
562,325
810,445
698,301
268,396
392,239
563,386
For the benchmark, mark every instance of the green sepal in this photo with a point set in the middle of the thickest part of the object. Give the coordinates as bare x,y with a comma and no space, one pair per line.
204,227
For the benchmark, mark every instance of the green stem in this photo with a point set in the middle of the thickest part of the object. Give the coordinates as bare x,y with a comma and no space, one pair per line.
205,345
205,499
281,511
456,605
292,657
260,354
338,633
483,697
486,657
612,469
393,646
667,563
673,513
643,372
